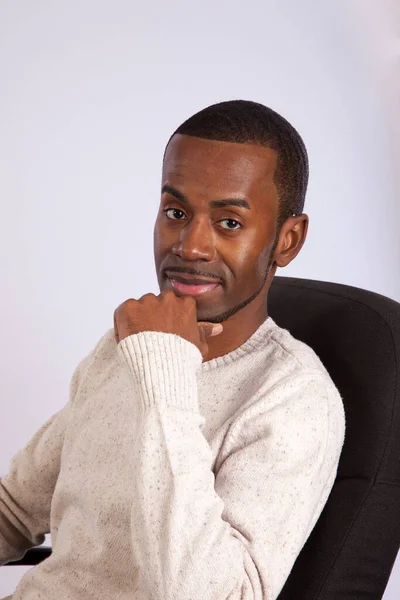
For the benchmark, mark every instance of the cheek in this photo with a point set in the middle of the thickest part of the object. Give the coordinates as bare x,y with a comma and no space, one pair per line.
252,263
262,258
250,253
243,261
159,240
262,265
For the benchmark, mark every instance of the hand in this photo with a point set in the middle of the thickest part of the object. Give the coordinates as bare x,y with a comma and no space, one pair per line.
166,313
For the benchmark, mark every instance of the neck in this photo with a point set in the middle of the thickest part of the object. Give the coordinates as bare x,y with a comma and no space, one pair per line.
237,330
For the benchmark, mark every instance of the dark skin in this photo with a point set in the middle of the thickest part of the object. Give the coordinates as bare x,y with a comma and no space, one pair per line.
201,240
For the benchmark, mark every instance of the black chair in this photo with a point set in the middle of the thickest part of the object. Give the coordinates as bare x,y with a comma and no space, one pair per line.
356,333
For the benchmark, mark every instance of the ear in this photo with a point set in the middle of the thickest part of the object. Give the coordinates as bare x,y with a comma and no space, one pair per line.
291,239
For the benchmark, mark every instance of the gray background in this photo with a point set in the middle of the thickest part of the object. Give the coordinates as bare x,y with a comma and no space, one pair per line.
90,92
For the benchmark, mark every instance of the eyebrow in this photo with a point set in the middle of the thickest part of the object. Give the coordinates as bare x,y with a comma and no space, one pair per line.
213,203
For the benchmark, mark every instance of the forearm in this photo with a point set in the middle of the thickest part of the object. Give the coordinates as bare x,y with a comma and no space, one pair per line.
15,536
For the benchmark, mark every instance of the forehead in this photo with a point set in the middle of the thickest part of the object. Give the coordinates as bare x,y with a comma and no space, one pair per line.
213,167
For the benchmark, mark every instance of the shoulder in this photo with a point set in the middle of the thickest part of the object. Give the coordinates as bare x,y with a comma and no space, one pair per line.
298,367
294,388
300,416
295,353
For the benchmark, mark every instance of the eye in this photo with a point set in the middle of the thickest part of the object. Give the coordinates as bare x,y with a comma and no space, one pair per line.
232,221
178,210
174,210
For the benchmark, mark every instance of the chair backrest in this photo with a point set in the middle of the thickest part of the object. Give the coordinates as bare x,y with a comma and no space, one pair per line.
356,334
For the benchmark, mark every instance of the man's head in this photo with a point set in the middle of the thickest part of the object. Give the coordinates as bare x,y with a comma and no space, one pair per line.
233,151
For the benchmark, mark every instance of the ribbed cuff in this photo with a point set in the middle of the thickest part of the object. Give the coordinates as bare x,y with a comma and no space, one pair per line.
163,366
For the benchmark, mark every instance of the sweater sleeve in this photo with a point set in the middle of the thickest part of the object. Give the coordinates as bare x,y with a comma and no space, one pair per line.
27,490
233,534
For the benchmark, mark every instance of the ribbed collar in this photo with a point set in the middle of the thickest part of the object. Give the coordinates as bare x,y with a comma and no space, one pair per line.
255,340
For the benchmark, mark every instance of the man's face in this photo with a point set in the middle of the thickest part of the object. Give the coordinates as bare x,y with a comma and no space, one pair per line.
226,244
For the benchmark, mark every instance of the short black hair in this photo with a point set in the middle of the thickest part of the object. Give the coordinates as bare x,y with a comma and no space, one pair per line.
247,122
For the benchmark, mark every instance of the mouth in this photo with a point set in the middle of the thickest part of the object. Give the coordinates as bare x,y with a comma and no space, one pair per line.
191,287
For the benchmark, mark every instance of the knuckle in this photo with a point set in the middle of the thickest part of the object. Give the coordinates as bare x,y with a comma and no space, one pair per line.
147,296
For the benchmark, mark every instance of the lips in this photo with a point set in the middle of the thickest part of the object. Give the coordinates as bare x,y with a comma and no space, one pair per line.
192,290
190,285
192,280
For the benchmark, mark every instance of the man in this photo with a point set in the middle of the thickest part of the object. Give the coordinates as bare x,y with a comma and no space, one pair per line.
201,440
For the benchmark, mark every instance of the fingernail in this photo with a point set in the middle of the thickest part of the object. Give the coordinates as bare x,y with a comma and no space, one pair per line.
217,329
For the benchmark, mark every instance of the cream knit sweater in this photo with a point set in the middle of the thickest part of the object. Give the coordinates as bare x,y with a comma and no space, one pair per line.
165,478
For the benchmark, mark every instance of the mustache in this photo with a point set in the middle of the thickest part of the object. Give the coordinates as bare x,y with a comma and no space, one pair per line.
192,271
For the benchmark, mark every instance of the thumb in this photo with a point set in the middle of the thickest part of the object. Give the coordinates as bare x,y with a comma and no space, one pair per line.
211,329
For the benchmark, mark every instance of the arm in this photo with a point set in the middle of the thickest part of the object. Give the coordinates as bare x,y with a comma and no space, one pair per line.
235,535
26,492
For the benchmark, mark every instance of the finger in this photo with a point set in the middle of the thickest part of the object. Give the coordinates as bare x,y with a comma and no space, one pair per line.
210,329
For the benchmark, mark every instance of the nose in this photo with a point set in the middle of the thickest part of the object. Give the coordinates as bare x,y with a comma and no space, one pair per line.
196,241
